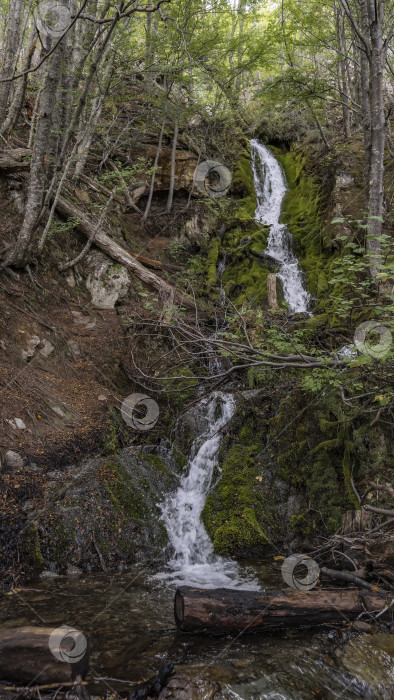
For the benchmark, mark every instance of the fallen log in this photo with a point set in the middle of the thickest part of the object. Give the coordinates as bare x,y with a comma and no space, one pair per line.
116,252
221,610
11,162
26,656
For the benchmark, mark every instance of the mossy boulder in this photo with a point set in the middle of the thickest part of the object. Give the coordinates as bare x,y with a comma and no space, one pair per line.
107,506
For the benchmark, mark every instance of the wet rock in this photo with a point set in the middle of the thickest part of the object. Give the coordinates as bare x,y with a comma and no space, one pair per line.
48,574
184,688
107,283
363,626
371,659
13,460
116,498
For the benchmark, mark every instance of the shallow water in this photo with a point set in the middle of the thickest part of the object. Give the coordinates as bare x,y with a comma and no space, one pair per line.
128,619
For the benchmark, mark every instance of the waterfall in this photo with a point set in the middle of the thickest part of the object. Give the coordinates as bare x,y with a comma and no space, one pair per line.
270,186
194,561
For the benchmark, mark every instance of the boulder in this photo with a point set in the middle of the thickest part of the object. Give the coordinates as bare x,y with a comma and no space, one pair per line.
107,283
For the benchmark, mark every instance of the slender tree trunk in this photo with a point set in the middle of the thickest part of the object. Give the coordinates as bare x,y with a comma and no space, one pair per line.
152,182
9,59
365,95
375,203
39,163
19,96
173,163
343,72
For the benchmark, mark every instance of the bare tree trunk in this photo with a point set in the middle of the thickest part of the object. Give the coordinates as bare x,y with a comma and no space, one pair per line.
39,163
173,163
152,182
97,105
365,96
343,72
375,203
15,14
19,96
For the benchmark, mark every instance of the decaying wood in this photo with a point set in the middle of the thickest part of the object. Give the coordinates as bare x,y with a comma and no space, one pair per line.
25,656
355,521
115,251
221,611
271,287
11,160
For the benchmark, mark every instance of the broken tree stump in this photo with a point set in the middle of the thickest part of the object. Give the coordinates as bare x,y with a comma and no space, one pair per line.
26,656
221,610
271,290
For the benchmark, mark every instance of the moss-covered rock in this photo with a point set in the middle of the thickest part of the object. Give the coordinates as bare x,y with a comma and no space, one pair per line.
108,505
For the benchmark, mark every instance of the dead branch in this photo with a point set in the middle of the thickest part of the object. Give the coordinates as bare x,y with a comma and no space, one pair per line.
124,257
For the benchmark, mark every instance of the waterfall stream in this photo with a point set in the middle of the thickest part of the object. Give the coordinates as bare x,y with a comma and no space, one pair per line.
270,186
194,561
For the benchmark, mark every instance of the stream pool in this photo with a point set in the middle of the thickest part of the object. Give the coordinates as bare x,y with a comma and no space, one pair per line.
129,621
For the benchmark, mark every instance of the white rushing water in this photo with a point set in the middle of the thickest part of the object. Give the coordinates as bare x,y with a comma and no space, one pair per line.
194,561
270,186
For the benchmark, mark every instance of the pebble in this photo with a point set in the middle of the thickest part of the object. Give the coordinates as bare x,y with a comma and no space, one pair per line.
13,460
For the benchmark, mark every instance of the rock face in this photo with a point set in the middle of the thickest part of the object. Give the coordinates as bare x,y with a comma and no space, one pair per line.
107,283
371,659
185,164
105,513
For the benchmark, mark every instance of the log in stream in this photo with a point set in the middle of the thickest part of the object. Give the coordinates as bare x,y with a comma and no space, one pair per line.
221,610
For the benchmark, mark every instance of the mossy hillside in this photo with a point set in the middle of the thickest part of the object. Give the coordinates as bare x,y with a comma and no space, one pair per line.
240,513
317,444
245,276
302,213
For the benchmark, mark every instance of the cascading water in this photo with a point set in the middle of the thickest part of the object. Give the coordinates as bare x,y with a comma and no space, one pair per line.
270,187
194,561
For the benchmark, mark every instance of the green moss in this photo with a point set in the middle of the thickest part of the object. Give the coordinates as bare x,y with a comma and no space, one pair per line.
302,213
180,390
125,497
155,462
233,513
211,262
30,548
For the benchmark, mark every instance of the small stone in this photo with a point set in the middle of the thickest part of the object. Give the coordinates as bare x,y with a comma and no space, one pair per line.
74,347
362,626
70,279
3,345
102,397
74,570
59,412
47,348
17,423
13,460
33,341
48,574
55,475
